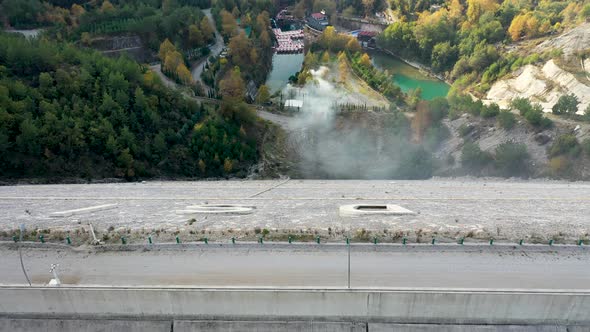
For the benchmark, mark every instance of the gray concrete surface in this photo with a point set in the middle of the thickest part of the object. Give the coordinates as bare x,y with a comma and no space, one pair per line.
61,325
380,327
500,267
88,325
446,208
359,305
268,326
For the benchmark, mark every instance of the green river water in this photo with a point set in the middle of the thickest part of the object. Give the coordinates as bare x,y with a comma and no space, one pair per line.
404,75
283,66
409,78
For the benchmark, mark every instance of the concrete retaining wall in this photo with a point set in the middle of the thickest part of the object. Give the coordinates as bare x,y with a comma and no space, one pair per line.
390,306
65,325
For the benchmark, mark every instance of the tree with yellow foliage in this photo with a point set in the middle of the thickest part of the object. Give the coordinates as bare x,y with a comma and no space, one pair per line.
365,60
107,7
475,8
263,95
325,57
232,87
184,75
165,48
77,10
455,10
343,69
517,27
228,165
421,121
353,45
206,28
202,166
85,38
172,61
229,26
527,24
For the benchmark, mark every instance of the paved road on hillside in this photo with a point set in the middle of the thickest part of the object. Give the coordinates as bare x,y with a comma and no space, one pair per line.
308,267
197,68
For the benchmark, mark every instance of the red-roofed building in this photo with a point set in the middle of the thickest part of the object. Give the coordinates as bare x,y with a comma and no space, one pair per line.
367,38
319,16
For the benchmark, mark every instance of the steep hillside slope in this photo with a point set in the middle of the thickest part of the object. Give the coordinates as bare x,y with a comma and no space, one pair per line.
544,83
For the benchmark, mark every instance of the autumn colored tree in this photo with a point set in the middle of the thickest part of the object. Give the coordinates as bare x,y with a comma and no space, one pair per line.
206,28
77,10
262,23
353,45
202,166
310,60
85,38
475,8
229,26
421,121
265,41
165,48
365,60
343,68
227,165
183,74
263,95
172,61
240,49
107,7
232,87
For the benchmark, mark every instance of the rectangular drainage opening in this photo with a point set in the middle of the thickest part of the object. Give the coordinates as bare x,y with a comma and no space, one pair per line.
371,207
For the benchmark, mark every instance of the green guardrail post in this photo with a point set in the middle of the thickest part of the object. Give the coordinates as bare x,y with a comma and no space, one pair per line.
150,239
42,238
14,238
317,239
579,242
123,240
290,239
68,240
347,241
461,240
433,241
177,240
375,240
206,240
260,240
404,240
520,242
551,242
491,241
233,240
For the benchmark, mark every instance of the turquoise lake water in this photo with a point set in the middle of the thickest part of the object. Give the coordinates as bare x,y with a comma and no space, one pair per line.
409,78
283,66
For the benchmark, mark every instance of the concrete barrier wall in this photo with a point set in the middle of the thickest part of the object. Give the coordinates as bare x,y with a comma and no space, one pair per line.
66,325
395,306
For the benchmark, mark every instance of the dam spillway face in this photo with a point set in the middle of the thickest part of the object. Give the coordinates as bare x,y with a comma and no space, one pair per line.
360,210
226,209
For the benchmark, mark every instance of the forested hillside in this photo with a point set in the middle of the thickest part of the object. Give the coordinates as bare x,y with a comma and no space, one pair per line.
67,112
467,41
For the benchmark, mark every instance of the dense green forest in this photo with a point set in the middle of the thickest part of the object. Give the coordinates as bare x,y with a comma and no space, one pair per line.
180,21
69,112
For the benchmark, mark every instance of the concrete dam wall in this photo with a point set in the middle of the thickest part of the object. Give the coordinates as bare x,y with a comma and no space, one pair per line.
186,309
